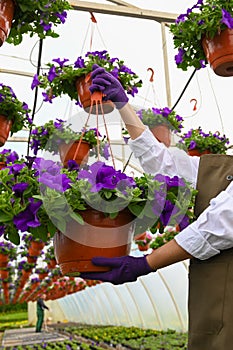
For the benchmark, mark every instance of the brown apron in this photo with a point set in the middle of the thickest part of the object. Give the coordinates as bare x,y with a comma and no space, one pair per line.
211,281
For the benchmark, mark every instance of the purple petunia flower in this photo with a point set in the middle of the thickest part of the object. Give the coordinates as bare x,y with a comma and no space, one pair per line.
168,211
58,182
2,230
46,26
184,222
47,97
35,82
192,145
52,73
28,218
102,176
106,153
15,168
19,188
61,62
202,63
181,18
73,165
227,19
179,56
79,63
62,16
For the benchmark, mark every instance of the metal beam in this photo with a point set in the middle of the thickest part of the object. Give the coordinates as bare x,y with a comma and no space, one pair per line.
123,11
123,3
16,72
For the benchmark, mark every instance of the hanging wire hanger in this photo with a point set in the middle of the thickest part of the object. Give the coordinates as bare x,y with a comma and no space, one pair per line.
36,92
96,97
150,86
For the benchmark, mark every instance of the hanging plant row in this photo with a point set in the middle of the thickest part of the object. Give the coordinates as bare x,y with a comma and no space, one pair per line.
23,281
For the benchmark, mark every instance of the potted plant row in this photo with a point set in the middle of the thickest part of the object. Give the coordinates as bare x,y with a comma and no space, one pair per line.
7,253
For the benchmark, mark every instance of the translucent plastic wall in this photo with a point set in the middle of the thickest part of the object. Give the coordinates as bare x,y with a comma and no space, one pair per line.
156,301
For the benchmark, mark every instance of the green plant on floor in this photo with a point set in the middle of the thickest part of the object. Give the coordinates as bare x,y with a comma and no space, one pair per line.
110,336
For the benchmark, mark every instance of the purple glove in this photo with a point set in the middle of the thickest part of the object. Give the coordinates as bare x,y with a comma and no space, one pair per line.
124,269
109,85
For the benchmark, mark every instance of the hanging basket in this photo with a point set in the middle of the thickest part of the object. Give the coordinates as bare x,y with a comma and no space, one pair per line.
42,275
4,258
7,8
52,264
2,165
4,274
219,52
141,237
31,259
82,86
78,151
99,236
162,133
5,128
196,152
35,248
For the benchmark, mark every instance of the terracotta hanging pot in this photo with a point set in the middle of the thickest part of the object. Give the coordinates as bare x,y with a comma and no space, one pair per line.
78,151
2,165
5,128
35,248
4,274
143,248
219,52
162,134
31,259
7,8
82,85
141,237
99,236
4,258
43,275
196,152
52,264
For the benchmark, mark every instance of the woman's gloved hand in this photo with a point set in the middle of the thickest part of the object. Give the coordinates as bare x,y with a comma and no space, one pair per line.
110,86
123,269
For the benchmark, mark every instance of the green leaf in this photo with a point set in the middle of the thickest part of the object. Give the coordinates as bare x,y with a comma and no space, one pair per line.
135,209
13,236
5,217
77,217
108,194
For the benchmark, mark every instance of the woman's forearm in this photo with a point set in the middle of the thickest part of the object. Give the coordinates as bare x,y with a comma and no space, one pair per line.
133,124
168,254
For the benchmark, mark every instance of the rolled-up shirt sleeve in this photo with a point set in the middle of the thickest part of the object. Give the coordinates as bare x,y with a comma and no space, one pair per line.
156,158
212,232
